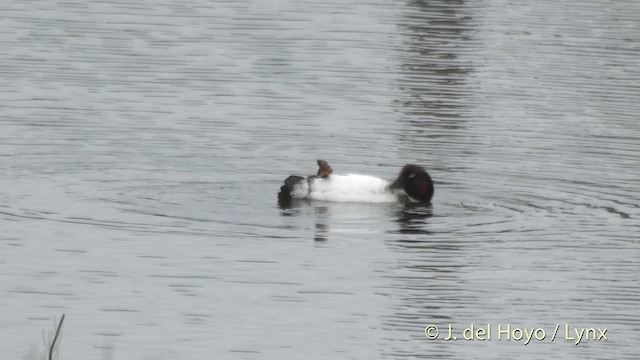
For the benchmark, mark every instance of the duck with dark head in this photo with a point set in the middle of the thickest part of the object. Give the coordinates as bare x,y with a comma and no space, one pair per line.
415,182
413,185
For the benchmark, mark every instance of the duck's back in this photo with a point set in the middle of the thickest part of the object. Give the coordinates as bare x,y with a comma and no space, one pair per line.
351,188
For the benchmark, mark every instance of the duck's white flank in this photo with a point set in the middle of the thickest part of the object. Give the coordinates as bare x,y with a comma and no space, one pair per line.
346,188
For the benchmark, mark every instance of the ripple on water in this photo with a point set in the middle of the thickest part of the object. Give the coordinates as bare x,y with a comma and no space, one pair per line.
143,146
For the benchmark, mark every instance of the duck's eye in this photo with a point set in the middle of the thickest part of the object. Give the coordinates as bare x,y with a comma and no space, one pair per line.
412,175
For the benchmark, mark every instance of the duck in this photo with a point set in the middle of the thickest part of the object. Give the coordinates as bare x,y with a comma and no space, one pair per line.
413,185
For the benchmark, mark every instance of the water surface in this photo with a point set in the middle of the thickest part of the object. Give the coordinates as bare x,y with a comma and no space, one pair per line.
143,144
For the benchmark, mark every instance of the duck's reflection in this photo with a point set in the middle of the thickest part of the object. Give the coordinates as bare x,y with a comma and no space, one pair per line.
322,223
412,219
295,207
409,218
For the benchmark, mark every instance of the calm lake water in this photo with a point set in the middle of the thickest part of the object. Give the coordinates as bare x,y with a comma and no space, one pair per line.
142,145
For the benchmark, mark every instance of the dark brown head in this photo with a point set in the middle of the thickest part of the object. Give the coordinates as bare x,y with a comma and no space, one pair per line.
415,182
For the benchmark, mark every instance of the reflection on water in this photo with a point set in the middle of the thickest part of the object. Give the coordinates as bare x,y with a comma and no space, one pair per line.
412,219
322,223
432,61
142,147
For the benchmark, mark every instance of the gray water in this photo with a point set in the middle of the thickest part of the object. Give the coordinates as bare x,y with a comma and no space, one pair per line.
142,144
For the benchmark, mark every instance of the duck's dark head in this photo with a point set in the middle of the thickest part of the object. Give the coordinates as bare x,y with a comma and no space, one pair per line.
415,182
